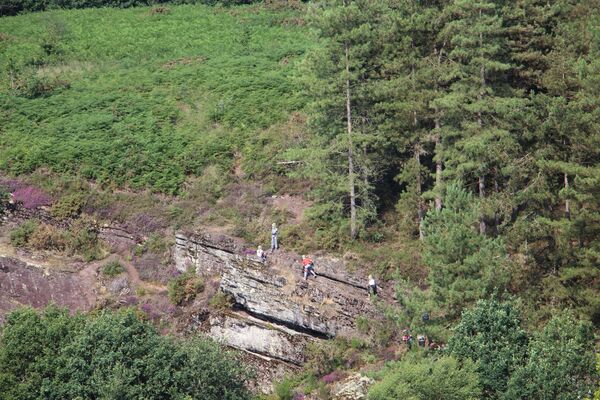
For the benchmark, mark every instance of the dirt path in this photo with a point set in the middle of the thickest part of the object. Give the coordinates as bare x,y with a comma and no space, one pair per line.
136,281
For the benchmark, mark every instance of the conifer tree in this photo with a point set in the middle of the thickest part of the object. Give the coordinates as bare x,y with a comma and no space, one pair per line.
477,38
340,70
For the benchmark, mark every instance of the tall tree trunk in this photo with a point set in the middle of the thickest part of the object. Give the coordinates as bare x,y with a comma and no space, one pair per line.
438,137
567,202
351,183
482,196
420,210
420,206
438,164
482,227
496,217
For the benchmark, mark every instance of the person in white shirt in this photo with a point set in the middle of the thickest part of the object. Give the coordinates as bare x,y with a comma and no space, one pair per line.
372,285
274,233
261,254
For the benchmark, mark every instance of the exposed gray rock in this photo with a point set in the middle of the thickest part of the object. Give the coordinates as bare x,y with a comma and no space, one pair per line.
321,306
250,334
119,285
355,387
206,253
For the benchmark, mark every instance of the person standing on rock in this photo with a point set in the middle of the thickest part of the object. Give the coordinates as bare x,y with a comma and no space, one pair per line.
308,267
274,233
372,285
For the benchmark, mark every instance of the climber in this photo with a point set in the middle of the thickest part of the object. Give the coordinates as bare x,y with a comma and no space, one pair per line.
308,266
407,338
274,233
372,285
261,254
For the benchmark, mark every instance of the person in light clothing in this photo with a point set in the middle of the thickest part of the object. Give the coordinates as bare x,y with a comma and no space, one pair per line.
261,254
274,233
372,285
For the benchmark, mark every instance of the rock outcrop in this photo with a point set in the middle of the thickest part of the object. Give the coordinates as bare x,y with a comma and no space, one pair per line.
25,284
355,387
259,337
275,291
205,253
321,306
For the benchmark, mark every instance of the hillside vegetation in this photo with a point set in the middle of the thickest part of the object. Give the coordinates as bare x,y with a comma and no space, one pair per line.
140,98
451,146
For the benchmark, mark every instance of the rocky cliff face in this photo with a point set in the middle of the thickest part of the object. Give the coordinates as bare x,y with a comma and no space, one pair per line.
275,291
205,253
25,284
322,306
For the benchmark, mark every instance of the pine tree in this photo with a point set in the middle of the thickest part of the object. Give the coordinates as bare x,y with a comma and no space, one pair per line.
340,70
478,94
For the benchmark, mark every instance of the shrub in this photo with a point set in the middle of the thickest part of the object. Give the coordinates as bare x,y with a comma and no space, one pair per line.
443,379
48,237
491,335
112,268
20,236
221,301
184,288
52,354
31,197
152,268
83,239
285,389
69,206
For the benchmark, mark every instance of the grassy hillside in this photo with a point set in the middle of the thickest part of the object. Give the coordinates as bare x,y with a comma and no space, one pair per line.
143,97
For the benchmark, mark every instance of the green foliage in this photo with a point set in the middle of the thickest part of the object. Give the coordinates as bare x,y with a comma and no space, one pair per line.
221,301
13,7
143,113
463,265
111,355
69,206
285,389
19,237
48,237
83,239
560,362
423,379
112,268
184,288
491,335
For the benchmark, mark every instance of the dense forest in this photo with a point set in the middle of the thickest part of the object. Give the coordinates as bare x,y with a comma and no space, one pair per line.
468,114
450,145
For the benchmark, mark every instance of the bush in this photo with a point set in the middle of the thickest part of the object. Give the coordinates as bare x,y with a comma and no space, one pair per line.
491,335
31,197
83,239
221,301
69,206
285,389
560,362
113,268
20,236
48,237
184,288
442,379
54,355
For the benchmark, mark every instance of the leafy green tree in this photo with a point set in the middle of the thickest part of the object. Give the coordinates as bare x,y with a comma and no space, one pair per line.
443,379
560,362
491,335
53,355
463,265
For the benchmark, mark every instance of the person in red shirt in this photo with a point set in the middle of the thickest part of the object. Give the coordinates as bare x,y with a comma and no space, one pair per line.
308,267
